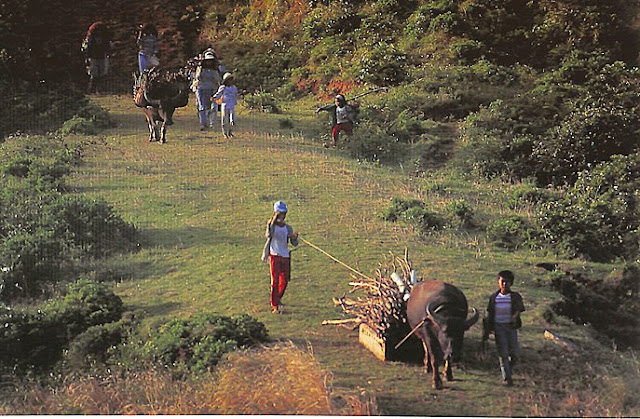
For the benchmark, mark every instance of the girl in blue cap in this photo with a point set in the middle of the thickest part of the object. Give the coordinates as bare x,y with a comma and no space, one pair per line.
276,252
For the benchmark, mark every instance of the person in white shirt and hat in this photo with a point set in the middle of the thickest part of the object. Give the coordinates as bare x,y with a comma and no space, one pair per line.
276,251
227,97
205,82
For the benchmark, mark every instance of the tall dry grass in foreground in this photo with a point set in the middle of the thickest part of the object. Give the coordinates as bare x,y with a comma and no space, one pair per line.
278,379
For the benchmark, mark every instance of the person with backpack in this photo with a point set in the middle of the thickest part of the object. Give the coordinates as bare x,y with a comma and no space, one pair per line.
148,47
97,46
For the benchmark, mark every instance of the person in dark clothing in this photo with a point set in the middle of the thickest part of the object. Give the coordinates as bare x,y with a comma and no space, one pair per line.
97,46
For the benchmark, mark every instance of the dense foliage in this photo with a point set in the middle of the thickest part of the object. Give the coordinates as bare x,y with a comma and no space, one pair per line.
44,230
198,343
610,304
36,337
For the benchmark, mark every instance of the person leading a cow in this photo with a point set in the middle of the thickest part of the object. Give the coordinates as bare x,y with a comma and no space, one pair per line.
503,318
205,82
343,117
276,251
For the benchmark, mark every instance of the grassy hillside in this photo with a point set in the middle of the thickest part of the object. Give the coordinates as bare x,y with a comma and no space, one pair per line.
201,203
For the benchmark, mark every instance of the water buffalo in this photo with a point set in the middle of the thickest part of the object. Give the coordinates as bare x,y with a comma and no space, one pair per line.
159,93
442,310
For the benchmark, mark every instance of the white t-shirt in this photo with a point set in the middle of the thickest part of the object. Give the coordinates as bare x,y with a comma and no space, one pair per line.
342,115
279,245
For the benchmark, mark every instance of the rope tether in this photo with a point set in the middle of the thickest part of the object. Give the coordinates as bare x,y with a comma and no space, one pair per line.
334,258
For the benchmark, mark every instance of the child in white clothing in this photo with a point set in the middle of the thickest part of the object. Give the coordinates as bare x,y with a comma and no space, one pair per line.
228,93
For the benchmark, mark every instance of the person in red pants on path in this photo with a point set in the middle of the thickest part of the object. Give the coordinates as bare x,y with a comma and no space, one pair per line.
276,252
342,115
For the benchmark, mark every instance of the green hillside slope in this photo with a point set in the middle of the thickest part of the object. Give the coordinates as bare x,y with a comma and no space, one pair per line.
202,202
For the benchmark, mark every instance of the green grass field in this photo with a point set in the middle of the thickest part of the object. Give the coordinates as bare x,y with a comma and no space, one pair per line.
202,202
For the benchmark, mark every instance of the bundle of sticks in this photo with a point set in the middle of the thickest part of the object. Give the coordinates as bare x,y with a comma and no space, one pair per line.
383,306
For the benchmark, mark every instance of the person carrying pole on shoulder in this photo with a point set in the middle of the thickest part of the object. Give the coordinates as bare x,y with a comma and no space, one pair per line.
343,117
276,252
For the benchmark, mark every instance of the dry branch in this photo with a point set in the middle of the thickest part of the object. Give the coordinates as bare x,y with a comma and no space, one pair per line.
384,306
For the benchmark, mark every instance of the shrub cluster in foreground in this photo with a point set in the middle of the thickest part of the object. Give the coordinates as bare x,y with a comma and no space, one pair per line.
44,229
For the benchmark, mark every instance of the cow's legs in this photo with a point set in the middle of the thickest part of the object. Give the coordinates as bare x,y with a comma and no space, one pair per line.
427,361
163,132
151,125
448,369
437,380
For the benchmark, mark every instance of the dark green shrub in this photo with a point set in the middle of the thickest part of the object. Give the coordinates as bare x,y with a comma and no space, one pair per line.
610,305
422,17
91,225
97,345
510,232
261,66
460,213
423,220
197,344
30,263
79,125
262,101
399,206
530,195
414,213
36,338
370,142
466,51
598,217
18,166
558,127
383,64
86,303
593,132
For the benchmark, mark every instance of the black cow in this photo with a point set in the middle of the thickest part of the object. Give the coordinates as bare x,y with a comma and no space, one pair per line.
442,309
159,93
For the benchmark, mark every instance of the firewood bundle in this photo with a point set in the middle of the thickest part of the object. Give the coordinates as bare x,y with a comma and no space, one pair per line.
383,308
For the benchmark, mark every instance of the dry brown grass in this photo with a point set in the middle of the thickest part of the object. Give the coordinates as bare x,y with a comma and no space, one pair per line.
278,379
282,379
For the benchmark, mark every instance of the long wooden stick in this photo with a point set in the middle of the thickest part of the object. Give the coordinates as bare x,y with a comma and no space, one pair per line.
411,332
334,258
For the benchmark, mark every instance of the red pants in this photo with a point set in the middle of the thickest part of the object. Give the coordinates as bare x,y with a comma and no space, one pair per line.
280,276
344,126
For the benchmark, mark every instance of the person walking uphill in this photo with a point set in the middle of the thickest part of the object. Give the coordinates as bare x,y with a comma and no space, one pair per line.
228,94
276,252
503,318
148,47
97,46
343,117
205,81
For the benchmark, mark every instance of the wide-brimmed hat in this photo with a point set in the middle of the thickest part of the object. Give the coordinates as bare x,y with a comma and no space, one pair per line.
209,55
226,76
